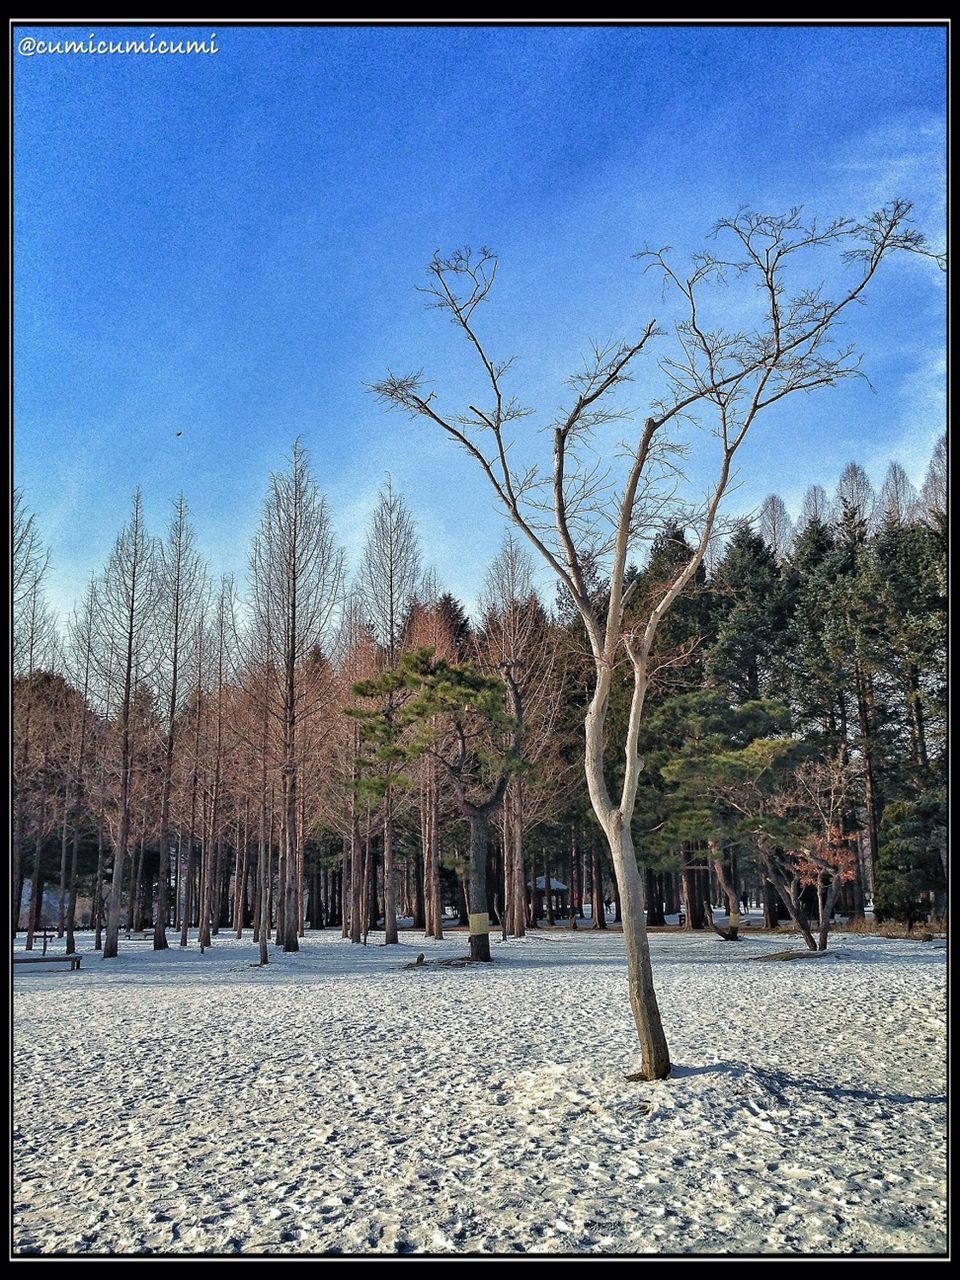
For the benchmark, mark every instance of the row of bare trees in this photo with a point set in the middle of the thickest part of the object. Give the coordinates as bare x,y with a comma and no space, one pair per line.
194,735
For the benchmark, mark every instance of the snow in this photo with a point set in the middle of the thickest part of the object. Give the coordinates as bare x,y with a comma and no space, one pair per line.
338,1102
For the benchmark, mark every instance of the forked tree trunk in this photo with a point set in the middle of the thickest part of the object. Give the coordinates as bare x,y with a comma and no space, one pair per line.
732,933
826,911
790,894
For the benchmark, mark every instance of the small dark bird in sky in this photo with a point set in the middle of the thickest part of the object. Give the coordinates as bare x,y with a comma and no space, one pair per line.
179,433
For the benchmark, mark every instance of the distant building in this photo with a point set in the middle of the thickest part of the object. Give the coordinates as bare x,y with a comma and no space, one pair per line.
558,893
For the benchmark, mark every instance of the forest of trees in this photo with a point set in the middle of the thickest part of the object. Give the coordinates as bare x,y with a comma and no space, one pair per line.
305,749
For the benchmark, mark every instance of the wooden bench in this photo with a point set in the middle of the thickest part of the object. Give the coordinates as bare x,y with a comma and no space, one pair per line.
28,958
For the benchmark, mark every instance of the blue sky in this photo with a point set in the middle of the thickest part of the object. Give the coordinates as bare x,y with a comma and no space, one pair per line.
229,246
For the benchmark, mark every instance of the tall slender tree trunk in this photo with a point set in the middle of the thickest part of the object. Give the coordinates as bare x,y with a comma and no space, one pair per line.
419,874
367,876
479,914
864,690
599,907
654,897
357,878
98,889
574,876
36,895
389,877
64,844
263,873
520,880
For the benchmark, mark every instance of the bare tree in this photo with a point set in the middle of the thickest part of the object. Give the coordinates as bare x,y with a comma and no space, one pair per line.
181,582
515,636
854,494
388,581
719,377
30,559
356,660
296,582
815,506
34,636
933,496
898,497
126,600
776,527
80,650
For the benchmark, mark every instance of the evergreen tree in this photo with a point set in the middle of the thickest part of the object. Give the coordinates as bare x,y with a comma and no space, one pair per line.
912,862
752,605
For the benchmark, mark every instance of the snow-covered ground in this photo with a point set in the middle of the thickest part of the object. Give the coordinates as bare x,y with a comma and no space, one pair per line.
339,1102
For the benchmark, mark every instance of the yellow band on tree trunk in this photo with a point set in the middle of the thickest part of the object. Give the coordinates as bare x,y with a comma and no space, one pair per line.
479,924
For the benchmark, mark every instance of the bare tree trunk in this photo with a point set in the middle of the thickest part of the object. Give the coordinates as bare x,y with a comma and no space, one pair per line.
479,917
98,889
520,880
731,934
36,893
791,900
263,870
357,876
574,874
643,999
367,860
419,874
654,897
389,877
62,896
548,888
71,921
346,881
826,911
599,907
242,871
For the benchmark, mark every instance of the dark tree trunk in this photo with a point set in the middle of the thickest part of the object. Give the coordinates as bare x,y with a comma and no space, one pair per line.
598,908
770,912
917,729
419,893
692,897
479,914
36,897
71,922
574,877
98,890
390,937
655,914
533,898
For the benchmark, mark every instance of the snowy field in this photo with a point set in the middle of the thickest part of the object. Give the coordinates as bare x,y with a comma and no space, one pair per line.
337,1102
